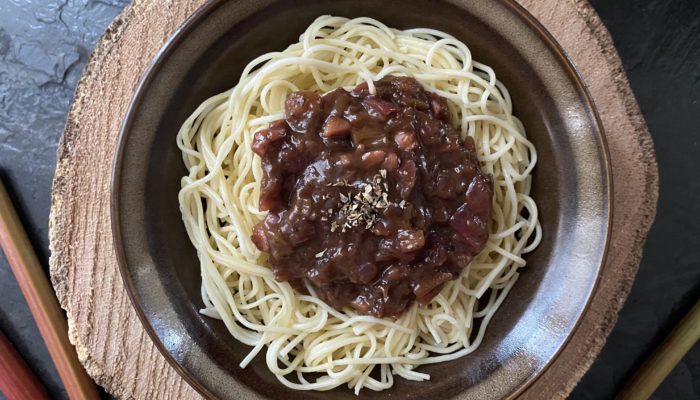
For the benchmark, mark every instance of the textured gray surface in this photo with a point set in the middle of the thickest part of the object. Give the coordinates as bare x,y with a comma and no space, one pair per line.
659,43
44,45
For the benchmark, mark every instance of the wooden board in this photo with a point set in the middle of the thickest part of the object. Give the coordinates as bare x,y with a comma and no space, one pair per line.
111,343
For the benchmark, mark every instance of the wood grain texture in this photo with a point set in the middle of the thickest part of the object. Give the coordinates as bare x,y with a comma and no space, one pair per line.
111,343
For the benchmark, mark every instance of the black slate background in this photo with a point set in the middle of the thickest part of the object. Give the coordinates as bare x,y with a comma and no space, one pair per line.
45,44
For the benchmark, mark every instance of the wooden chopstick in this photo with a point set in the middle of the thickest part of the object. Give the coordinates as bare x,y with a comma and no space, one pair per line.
17,381
655,369
42,302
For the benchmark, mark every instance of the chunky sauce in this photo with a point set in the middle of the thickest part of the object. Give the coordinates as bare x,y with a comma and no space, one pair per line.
374,200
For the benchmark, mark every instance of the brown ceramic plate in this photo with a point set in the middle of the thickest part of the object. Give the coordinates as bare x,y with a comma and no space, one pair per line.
571,185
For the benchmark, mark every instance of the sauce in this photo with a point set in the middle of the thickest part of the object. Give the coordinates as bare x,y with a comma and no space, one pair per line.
373,199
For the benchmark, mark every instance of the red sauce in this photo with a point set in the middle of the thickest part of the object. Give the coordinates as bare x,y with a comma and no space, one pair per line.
374,200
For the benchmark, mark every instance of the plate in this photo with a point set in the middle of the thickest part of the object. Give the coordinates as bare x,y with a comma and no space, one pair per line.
571,185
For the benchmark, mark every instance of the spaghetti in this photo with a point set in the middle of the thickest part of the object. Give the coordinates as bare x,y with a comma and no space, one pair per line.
310,345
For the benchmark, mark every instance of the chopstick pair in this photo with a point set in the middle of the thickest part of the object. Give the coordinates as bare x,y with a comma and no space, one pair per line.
47,314
17,381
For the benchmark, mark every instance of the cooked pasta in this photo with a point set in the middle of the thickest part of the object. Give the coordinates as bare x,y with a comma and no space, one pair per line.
307,344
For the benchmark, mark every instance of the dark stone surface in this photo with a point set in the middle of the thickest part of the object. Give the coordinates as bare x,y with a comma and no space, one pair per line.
659,43
43,48
45,44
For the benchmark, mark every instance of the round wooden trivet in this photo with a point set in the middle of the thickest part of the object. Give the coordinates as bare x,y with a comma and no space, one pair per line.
109,338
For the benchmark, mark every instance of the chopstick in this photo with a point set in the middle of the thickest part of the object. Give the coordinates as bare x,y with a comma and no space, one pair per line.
662,361
17,381
42,302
